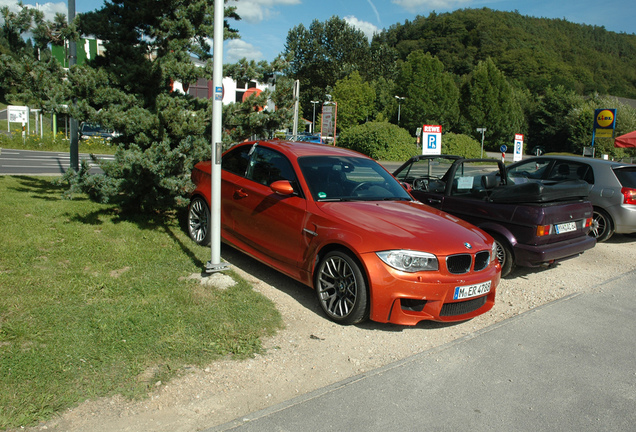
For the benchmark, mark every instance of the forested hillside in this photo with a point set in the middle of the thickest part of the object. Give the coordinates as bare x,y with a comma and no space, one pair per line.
532,52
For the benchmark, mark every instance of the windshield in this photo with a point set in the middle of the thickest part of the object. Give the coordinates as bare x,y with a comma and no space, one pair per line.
93,127
338,178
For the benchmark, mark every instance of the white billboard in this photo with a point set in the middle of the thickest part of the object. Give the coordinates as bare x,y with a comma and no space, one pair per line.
431,140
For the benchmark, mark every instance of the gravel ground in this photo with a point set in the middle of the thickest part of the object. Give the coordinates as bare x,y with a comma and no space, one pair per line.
312,352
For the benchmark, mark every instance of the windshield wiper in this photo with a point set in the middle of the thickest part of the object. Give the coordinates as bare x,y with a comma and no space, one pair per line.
349,199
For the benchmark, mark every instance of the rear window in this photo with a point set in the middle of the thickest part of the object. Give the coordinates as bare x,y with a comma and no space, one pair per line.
627,176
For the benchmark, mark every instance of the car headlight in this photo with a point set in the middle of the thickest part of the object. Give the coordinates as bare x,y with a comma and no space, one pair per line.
409,261
493,251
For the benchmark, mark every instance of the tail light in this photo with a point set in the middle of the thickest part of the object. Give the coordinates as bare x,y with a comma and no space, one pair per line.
587,223
543,230
629,195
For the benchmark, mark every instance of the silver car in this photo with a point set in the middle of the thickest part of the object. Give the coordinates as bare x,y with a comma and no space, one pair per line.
612,190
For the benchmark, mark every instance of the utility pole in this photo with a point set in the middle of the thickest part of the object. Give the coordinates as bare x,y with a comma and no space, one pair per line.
215,264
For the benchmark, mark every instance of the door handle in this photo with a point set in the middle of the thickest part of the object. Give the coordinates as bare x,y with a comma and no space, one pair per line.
434,201
240,193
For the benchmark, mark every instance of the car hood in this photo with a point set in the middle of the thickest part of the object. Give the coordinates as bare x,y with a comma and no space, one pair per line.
405,225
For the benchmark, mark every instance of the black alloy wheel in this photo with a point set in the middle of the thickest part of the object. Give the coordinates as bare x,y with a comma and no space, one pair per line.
341,288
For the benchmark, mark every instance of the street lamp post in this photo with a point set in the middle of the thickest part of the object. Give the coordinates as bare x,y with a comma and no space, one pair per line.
482,130
313,121
399,99
72,60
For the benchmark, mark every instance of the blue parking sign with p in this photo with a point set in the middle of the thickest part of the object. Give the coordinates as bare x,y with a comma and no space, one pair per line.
432,142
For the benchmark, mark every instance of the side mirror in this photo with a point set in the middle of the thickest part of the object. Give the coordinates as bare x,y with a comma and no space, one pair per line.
282,187
407,186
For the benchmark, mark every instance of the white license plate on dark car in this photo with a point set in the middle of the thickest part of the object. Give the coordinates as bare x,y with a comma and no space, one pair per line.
565,227
468,291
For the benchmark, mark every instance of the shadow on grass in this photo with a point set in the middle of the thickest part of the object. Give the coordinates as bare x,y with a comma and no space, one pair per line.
42,188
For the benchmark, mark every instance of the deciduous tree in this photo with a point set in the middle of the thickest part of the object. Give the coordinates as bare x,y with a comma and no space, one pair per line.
322,54
356,101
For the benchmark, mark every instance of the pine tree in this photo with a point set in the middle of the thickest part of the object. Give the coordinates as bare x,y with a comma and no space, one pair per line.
148,45
489,101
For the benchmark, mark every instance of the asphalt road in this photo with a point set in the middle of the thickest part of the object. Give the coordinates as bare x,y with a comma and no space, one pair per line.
27,162
566,366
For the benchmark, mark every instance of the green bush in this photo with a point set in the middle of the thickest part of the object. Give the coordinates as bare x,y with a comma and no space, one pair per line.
461,145
379,140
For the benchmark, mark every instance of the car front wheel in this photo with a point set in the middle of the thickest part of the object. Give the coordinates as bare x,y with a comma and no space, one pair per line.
341,288
199,221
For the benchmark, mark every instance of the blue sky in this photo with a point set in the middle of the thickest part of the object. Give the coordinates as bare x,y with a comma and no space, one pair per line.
265,23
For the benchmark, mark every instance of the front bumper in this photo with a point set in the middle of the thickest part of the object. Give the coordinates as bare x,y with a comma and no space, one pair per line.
408,298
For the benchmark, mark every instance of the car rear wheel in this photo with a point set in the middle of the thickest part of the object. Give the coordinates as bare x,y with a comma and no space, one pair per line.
199,221
504,255
341,288
602,225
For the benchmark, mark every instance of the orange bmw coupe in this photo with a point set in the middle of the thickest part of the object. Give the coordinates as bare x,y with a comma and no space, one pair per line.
337,221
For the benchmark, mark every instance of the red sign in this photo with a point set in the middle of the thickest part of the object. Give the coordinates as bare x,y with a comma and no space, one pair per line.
432,129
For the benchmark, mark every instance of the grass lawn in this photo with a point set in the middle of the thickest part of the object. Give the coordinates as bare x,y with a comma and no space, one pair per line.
91,301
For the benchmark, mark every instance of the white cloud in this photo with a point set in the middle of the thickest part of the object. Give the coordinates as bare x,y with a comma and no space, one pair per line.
367,28
236,49
425,5
254,11
49,9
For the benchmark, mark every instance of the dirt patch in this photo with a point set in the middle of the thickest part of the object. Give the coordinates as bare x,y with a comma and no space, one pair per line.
312,352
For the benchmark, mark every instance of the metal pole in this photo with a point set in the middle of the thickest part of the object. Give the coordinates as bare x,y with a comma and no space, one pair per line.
399,99
215,265
296,96
72,60
313,121
482,130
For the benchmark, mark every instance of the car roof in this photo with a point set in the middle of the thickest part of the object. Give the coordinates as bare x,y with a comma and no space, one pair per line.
302,148
591,161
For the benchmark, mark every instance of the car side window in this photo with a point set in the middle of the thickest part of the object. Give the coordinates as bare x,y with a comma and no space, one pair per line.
470,180
237,160
585,172
267,166
534,169
568,170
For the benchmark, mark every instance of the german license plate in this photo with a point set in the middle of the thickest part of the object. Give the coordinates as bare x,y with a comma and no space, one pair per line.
463,292
565,227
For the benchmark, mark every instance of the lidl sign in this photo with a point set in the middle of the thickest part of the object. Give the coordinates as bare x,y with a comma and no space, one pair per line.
604,123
